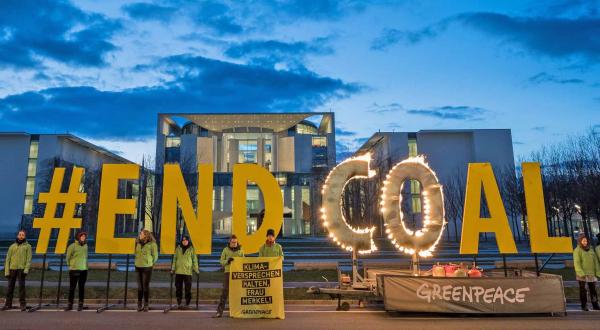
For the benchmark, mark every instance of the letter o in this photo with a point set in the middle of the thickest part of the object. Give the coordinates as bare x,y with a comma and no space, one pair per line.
424,240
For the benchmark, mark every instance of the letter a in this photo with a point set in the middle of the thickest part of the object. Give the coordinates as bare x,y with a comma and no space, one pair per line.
481,175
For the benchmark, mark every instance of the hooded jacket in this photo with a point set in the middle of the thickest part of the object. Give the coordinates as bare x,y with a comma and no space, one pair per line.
146,254
77,256
585,261
185,262
18,257
273,250
229,253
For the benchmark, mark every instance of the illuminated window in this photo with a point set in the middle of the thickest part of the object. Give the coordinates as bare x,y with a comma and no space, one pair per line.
247,151
28,207
412,147
30,186
173,142
306,129
319,141
33,149
31,167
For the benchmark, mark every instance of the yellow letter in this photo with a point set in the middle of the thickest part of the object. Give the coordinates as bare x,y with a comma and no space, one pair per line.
481,175
200,225
536,214
242,173
110,206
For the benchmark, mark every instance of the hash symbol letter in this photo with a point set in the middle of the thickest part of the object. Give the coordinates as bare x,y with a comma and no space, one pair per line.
54,197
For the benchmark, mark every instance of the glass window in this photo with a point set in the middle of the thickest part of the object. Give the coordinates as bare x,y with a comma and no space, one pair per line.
31,167
173,142
28,207
412,148
319,141
33,149
30,186
281,179
247,151
415,187
305,129
416,204
252,202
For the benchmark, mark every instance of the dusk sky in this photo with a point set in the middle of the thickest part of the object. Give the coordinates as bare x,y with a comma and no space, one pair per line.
102,70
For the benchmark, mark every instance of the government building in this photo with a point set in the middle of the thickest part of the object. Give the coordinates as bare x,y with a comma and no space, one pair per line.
298,148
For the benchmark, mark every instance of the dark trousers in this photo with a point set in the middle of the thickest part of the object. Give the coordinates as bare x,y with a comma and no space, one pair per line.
583,293
16,275
224,293
77,278
180,280
143,282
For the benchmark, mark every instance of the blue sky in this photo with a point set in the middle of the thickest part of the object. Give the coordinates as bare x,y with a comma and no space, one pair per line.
102,70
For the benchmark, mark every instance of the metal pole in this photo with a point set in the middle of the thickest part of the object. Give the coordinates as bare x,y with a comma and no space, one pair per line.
108,279
126,282
504,264
537,267
197,287
62,258
42,281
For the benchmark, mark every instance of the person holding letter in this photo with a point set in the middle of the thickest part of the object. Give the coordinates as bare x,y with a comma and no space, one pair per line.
270,248
185,262
146,255
232,250
77,259
16,267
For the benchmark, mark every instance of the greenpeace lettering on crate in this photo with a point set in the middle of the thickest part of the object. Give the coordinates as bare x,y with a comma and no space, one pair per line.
472,294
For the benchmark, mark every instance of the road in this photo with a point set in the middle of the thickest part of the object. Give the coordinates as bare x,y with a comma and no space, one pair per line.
297,317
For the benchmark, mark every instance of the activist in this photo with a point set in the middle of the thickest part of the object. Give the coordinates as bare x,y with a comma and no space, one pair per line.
233,249
77,259
146,255
587,269
270,248
184,262
16,267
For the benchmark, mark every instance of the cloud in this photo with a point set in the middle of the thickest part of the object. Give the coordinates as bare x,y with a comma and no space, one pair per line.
31,31
557,37
544,77
342,132
238,17
149,11
342,151
273,52
196,84
384,108
539,128
461,112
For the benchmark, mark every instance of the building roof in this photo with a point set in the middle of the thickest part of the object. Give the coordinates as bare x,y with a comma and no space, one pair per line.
77,140
218,122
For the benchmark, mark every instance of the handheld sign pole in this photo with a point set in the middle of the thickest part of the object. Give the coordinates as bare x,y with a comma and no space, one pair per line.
197,289
106,306
39,306
62,259
126,282
170,288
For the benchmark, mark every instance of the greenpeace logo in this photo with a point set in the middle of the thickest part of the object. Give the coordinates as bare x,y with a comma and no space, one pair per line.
471,294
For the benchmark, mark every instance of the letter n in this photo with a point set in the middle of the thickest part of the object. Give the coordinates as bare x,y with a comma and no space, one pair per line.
198,224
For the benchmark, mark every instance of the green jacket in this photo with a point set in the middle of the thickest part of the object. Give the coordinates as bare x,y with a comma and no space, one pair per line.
274,250
185,263
77,256
147,255
18,257
228,253
586,262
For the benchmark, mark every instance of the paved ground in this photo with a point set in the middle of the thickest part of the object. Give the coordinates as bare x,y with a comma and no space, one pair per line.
297,317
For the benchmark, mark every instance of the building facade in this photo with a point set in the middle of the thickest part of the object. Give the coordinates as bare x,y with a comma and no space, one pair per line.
26,168
448,153
298,148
